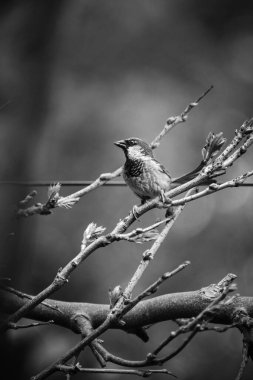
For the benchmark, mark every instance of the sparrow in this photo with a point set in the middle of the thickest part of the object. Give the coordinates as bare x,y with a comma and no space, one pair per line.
145,176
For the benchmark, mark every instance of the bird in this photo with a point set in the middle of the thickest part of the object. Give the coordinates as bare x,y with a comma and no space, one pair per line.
146,176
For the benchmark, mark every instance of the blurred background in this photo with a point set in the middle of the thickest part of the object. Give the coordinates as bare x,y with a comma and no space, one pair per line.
76,76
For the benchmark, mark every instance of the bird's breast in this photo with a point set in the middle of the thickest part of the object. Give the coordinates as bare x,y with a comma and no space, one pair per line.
146,177
133,168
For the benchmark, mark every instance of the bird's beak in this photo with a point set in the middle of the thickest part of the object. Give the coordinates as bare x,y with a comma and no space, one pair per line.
121,144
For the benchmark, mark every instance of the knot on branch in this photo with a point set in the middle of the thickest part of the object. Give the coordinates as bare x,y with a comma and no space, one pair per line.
81,324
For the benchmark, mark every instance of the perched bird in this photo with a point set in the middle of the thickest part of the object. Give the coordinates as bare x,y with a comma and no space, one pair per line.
145,176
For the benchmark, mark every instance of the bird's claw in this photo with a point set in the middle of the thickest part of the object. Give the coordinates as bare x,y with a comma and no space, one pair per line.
165,200
135,213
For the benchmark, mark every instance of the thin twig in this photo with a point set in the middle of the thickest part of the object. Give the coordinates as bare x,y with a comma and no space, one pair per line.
214,187
150,253
14,326
241,133
153,287
27,296
173,121
220,329
245,358
85,327
142,373
140,231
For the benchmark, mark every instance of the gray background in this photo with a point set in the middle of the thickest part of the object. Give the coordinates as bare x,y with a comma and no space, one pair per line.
76,76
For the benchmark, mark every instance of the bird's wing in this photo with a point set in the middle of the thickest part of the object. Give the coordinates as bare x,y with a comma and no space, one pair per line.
162,168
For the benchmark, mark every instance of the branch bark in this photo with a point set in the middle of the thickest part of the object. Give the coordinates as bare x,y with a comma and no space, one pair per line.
157,309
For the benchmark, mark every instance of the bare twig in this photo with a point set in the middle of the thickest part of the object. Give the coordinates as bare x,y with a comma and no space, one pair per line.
220,329
243,132
14,326
147,257
173,121
138,234
27,296
214,187
85,327
245,358
142,373
153,287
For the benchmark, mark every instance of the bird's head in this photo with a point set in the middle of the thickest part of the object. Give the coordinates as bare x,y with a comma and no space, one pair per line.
134,148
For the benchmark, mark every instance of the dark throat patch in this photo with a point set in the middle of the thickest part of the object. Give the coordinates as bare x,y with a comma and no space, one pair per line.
133,168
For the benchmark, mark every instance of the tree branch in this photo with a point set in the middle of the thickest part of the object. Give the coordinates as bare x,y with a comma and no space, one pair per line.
171,306
71,199
157,309
141,373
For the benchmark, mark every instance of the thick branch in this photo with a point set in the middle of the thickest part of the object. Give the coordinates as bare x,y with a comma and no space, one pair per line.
156,309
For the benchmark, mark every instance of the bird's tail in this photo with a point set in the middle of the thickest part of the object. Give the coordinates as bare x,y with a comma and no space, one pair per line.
191,175
214,143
